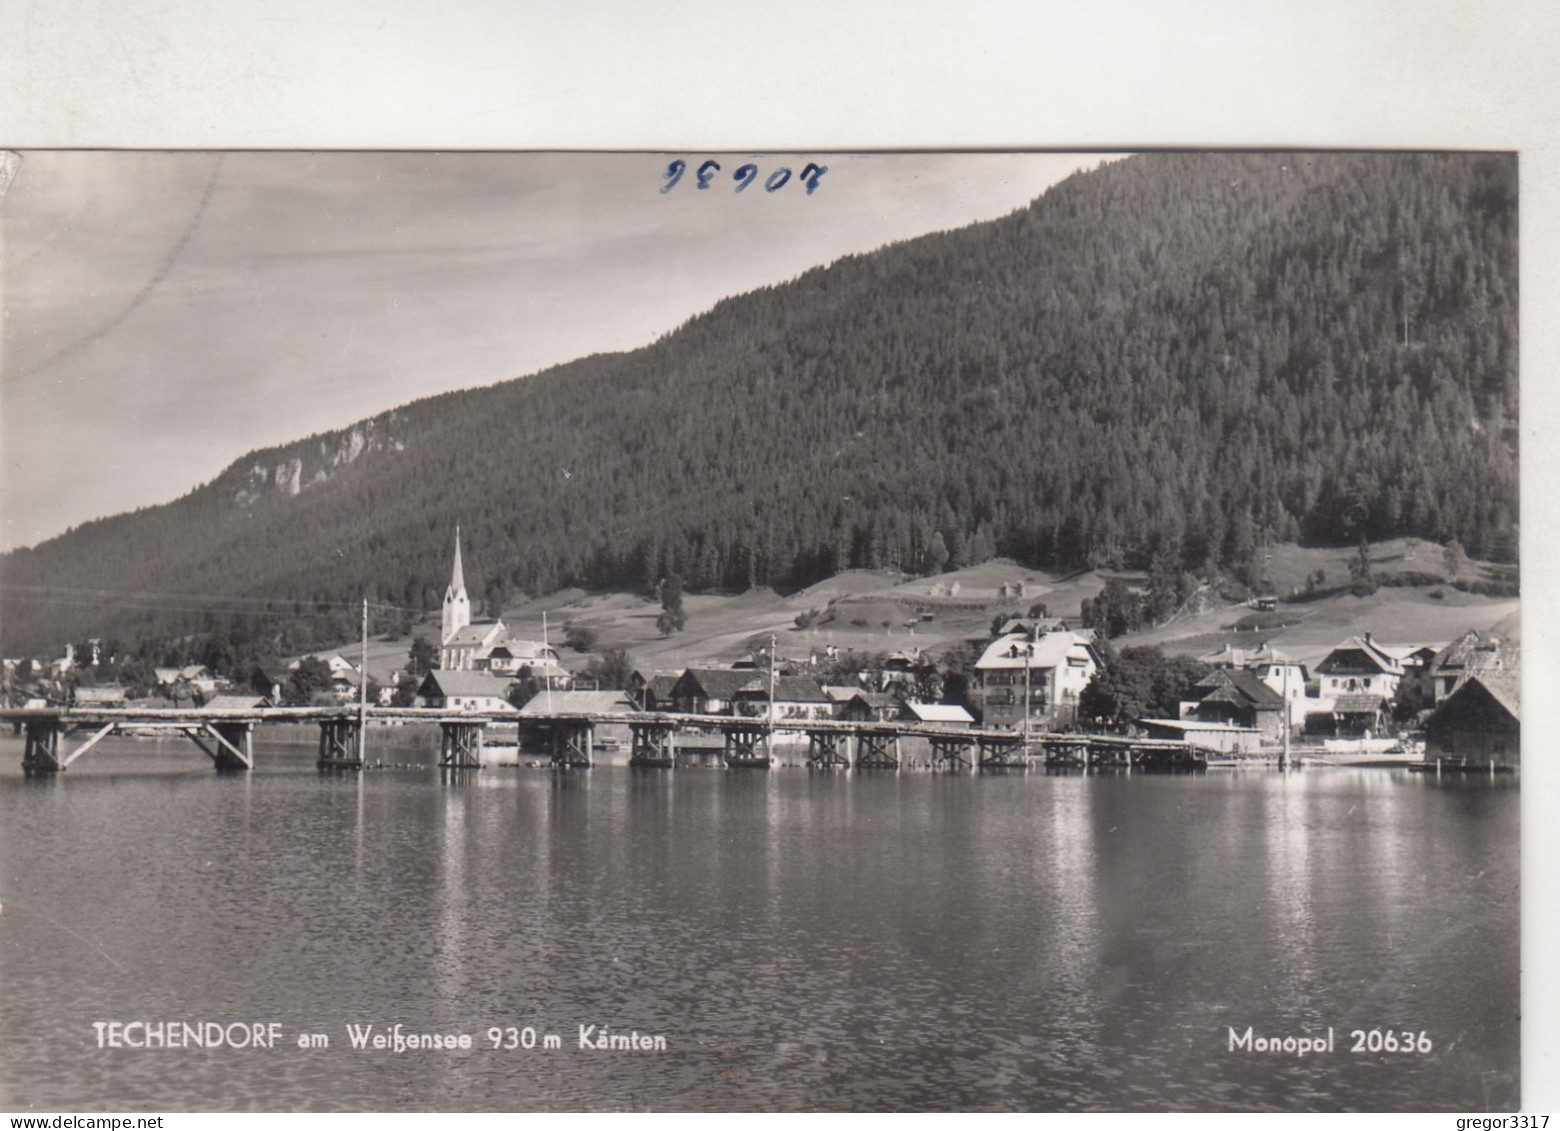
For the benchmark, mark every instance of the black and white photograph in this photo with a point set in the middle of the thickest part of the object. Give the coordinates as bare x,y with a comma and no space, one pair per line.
710,631
842,557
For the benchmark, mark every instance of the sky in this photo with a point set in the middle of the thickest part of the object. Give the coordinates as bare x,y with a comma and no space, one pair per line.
162,314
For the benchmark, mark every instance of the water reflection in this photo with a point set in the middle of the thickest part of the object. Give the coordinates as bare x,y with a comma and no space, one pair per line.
846,941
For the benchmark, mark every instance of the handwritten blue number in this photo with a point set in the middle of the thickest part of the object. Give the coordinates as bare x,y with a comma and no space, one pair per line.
777,179
707,172
811,174
745,174
673,174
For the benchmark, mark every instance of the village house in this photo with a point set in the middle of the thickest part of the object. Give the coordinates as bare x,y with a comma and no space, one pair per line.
1059,666
1349,716
1236,697
653,692
1470,654
346,686
512,656
840,694
190,681
1286,676
464,691
869,707
266,685
795,697
1416,659
900,668
708,691
1359,666
1479,724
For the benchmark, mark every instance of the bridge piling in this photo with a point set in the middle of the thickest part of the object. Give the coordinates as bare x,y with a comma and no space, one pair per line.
460,743
877,751
41,749
746,747
949,752
825,750
1001,753
574,745
654,745
339,748
235,745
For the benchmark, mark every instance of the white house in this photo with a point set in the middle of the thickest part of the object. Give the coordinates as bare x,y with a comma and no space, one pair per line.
464,691
1055,667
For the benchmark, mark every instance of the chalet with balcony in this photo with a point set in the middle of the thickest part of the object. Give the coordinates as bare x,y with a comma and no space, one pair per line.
1055,667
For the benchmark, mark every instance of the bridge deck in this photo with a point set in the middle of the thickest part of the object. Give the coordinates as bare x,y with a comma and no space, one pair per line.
152,716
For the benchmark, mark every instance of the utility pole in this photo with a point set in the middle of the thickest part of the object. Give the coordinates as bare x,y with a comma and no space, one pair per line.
546,663
1029,660
772,665
363,689
1283,756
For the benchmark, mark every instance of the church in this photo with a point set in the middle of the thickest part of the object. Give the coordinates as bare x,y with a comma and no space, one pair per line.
486,645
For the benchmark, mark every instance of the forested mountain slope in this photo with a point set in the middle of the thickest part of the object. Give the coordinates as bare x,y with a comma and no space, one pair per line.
1178,354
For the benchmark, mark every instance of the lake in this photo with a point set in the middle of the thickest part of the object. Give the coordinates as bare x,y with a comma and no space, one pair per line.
797,940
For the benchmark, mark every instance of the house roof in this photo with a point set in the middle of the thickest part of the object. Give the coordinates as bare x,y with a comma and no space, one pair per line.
1358,704
841,693
876,700
443,685
1485,702
1401,652
234,701
712,683
528,649
1228,655
939,713
1505,688
1193,725
189,671
1052,650
1470,652
661,685
1373,653
1241,687
100,694
545,703
788,688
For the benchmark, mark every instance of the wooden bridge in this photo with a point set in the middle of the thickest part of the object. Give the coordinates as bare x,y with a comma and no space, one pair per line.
227,738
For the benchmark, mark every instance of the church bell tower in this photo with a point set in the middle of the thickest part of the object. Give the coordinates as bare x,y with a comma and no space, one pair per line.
457,606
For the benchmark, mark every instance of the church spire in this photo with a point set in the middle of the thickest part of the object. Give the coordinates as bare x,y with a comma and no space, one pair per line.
457,606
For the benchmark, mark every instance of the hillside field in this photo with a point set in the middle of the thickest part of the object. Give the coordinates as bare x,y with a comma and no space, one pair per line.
882,611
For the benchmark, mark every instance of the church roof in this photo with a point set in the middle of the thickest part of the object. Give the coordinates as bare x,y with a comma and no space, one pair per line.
483,632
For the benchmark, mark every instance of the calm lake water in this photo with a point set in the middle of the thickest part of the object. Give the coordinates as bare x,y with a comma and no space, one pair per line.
800,940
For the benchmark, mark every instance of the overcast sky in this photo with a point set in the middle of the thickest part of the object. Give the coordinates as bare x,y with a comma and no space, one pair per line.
166,313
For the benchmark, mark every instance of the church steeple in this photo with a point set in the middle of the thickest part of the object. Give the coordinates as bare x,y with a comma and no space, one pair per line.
457,605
